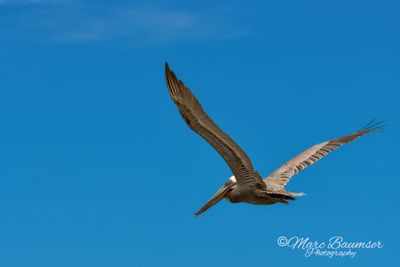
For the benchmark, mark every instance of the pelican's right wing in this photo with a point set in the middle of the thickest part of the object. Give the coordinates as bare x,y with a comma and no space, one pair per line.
281,176
194,115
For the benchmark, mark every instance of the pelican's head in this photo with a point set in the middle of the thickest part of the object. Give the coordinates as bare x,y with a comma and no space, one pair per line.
221,193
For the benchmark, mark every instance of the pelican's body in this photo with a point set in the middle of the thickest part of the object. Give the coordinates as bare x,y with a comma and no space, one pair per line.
246,185
258,196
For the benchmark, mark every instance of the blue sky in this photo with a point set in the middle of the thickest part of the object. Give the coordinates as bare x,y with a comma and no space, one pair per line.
97,168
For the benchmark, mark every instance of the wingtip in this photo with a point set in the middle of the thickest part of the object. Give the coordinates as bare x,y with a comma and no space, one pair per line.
375,126
168,71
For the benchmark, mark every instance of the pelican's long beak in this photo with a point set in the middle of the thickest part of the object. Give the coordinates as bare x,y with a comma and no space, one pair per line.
221,193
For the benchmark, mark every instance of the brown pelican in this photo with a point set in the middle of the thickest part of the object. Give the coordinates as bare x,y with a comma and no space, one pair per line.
246,185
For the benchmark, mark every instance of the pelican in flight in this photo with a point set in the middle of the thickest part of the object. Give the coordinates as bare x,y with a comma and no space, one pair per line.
246,184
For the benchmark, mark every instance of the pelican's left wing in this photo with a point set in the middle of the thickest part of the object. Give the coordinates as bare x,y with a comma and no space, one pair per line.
281,176
198,120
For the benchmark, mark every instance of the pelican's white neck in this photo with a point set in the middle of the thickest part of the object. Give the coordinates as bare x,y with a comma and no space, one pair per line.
232,179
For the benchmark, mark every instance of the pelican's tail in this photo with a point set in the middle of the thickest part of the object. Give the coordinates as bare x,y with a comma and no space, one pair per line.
293,194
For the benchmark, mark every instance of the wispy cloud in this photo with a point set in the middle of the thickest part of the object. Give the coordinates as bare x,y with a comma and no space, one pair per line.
22,2
75,21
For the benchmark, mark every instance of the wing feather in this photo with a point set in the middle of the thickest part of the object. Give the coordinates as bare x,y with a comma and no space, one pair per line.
197,119
281,176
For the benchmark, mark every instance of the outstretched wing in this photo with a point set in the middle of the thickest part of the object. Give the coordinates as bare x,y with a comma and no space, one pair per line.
198,121
281,176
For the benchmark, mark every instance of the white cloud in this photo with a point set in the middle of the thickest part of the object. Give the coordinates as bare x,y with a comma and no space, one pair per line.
22,2
151,25
77,22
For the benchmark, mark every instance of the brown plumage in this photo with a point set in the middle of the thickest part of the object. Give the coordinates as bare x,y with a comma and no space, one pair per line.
281,176
201,123
246,185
